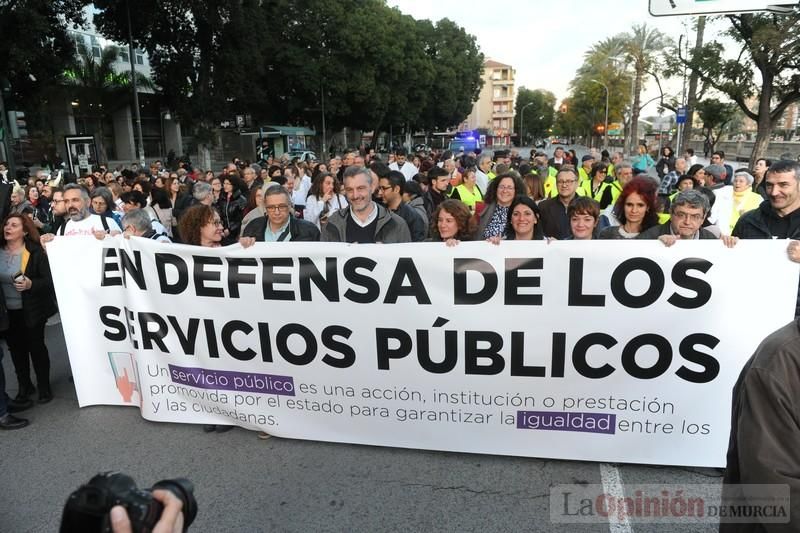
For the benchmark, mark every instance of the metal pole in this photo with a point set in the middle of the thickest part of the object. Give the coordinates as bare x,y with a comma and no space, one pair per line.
324,137
605,131
522,121
137,114
12,167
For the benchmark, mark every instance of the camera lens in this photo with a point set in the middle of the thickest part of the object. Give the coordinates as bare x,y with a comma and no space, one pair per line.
183,489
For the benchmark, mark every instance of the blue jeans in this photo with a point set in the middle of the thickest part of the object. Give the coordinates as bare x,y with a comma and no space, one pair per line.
3,396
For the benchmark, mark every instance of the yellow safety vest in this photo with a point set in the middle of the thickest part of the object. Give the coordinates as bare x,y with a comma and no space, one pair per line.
469,198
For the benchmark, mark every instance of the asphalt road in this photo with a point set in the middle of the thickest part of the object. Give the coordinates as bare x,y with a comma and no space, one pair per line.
245,484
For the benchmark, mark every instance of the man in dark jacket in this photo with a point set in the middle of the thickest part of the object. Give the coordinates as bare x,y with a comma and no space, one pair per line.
779,218
279,224
764,445
363,220
390,191
687,213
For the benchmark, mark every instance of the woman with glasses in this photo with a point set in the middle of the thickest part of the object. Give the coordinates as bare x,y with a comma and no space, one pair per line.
493,216
201,225
596,185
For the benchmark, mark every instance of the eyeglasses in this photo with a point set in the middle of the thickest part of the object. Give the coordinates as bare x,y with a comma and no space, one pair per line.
386,187
276,208
506,188
217,222
565,182
682,215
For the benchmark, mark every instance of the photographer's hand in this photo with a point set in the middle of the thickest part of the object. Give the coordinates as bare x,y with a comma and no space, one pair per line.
171,520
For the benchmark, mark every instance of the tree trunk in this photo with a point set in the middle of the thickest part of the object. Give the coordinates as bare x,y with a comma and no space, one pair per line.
762,138
637,89
764,119
100,144
691,98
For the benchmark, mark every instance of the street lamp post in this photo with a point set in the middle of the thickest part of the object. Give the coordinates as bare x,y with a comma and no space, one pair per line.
522,120
605,131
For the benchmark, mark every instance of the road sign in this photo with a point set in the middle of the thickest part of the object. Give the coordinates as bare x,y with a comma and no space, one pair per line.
680,117
666,8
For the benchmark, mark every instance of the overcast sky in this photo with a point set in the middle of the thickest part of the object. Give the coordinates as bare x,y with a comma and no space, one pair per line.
545,40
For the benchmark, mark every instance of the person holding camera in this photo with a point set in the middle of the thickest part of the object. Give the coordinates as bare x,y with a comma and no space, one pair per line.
30,299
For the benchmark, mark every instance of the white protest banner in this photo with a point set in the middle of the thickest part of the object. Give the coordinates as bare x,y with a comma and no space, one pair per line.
602,351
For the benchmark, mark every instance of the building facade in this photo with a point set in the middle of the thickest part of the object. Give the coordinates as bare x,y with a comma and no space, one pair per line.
493,111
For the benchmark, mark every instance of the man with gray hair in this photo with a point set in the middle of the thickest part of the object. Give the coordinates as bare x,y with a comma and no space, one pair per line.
136,223
278,224
202,194
363,220
688,211
79,220
482,172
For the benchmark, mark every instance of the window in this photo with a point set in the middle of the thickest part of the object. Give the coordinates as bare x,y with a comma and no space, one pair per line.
139,57
95,44
123,57
497,93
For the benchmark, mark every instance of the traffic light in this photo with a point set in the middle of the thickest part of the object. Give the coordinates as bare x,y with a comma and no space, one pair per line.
17,126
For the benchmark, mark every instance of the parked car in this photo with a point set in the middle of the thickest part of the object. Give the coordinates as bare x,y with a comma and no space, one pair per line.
304,155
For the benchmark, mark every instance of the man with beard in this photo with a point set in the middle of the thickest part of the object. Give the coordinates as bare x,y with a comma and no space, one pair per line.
363,220
79,220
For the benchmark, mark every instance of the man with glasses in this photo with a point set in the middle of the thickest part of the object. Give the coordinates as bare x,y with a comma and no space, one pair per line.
390,192
363,221
137,223
278,224
687,212
555,222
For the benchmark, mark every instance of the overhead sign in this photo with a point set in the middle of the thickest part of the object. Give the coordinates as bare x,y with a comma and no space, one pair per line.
474,348
666,8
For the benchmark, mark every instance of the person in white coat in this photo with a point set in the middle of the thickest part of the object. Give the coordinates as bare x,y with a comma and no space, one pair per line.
400,164
323,199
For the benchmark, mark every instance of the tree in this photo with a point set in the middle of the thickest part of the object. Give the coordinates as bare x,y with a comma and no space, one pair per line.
35,46
99,88
603,65
641,47
766,71
372,65
716,117
458,67
539,114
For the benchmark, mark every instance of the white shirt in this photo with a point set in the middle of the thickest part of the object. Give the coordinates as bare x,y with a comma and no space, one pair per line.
370,219
89,225
482,180
301,192
314,207
408,169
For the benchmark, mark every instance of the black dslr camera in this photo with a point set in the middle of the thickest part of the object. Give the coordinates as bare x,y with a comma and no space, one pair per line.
87,509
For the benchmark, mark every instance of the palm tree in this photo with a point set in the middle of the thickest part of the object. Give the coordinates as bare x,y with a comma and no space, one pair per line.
95,83
640,49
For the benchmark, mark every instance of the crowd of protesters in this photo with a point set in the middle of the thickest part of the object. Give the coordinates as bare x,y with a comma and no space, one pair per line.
359,197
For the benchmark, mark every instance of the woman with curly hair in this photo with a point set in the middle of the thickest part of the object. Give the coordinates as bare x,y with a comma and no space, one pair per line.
201,225
451,223
492,219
